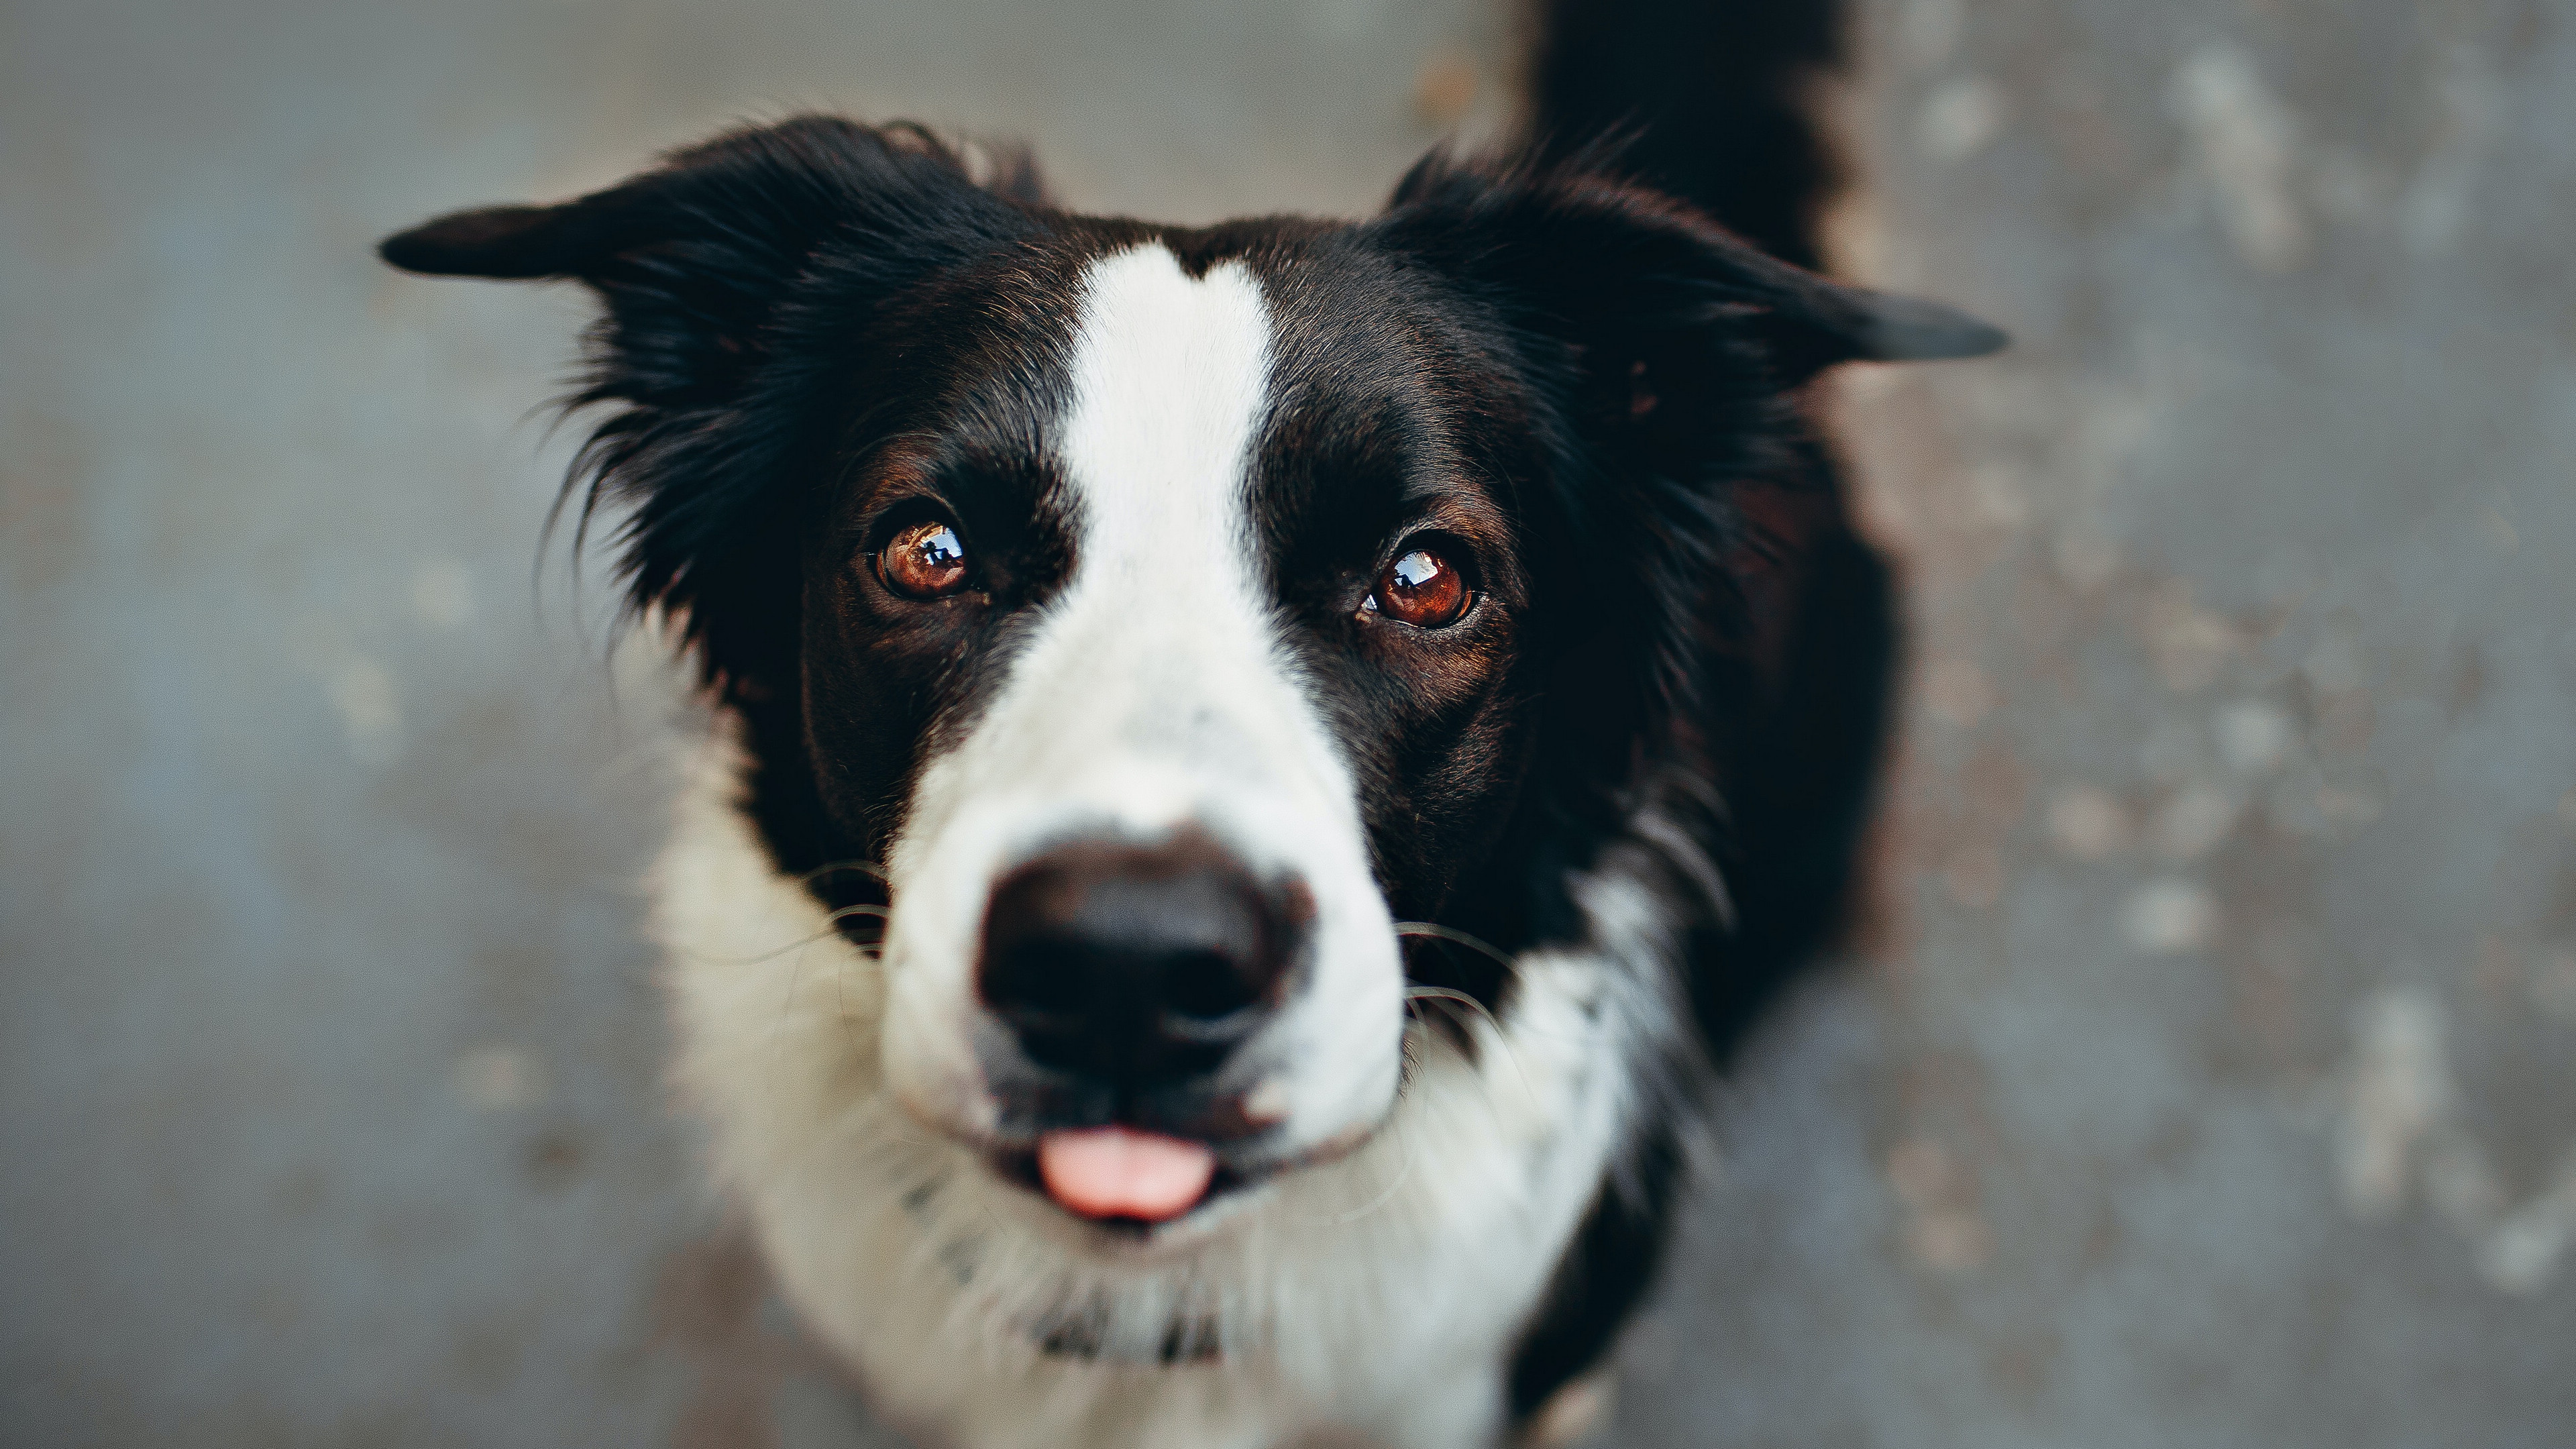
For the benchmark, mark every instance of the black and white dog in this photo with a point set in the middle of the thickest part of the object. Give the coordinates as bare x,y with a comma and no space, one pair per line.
1253,764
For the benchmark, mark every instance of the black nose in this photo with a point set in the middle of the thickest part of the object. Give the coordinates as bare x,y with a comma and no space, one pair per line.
1138,966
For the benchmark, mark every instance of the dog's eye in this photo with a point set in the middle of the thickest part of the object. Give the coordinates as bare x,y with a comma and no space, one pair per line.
925,561
1422,589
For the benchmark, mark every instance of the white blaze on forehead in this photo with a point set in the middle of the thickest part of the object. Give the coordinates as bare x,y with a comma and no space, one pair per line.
1157,671
1169,377
1162,652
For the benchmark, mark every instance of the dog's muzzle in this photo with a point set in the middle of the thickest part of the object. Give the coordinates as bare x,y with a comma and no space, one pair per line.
1134,982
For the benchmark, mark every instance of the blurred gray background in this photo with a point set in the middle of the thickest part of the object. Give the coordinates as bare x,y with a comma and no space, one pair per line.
2205,1071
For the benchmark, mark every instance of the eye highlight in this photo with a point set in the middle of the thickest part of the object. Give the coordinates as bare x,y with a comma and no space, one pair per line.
924,561
1421,589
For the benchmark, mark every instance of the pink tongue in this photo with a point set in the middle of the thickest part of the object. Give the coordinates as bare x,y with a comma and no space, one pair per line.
1112,1172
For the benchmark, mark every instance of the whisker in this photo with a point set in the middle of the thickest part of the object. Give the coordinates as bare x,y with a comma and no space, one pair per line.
843,914
820,871
1454,996
1501,1038
768,956
1450,934
1445,993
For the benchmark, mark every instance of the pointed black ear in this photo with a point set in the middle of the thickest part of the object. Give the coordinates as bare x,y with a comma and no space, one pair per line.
703,249
774,186
1820,323
1593,259
737,278
520,242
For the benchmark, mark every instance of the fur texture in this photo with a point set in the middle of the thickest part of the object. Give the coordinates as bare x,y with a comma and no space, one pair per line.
1183,467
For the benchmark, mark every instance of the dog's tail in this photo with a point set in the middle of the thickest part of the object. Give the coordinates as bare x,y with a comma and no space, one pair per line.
1713,101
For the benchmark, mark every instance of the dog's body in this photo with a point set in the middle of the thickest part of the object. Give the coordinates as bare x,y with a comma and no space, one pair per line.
1252,765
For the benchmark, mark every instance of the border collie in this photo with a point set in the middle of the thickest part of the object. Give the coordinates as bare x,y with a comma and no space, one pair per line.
1254,766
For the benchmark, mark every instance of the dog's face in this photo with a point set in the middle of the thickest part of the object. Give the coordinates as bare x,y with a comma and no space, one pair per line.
1167,642
1169,616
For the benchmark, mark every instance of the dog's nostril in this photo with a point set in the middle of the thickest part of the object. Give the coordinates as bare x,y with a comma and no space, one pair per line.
1037,980
1208,985
1137,964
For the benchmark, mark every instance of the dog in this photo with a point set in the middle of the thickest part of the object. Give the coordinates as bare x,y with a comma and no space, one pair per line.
1252,767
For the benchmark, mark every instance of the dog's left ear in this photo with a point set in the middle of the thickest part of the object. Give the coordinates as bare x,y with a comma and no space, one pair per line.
1612,269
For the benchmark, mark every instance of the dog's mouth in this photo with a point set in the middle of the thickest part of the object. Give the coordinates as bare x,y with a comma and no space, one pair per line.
1116,1171
1107,1173
1138,1184
1123,1178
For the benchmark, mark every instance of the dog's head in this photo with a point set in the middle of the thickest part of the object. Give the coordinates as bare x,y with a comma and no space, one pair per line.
1171,616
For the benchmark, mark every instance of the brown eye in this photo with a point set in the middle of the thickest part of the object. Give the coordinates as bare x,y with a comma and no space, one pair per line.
925,561
1420,589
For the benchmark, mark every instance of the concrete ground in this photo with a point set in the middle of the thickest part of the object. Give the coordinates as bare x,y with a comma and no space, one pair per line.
2205,1073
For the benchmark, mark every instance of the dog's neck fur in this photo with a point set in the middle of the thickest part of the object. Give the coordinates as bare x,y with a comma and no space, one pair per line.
1432,1244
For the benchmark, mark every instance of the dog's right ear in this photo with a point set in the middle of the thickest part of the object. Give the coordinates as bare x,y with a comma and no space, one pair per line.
696,258
735,277
519,242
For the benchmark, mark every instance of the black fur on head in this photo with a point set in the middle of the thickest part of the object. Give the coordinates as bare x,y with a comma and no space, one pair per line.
1659,358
